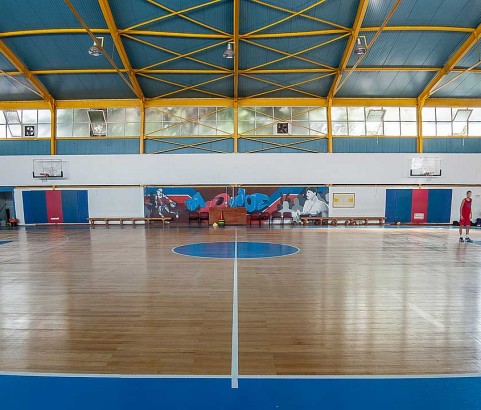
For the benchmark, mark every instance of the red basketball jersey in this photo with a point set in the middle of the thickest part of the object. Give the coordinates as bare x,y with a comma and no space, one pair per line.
466,210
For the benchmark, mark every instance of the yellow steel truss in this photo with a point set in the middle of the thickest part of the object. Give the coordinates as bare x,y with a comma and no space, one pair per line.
306,16
361,12
284,87
99,45
183,87
172,14
177,55
159,33
180,145
285,53
109,18
22,68
452,62
181,15
273,144
282,20
193,120
290,55
277,119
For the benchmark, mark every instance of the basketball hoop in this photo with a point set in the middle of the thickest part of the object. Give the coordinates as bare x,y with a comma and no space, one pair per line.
44,176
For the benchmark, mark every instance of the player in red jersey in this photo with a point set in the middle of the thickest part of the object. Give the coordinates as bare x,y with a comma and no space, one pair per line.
465,218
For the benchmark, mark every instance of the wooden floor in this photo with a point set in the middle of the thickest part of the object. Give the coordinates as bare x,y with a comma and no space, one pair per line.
352,301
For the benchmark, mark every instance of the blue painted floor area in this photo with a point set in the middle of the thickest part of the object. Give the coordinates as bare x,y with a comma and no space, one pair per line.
60,393
4,242
226,250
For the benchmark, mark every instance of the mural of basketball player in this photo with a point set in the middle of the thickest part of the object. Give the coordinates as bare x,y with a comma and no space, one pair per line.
165,206
313,205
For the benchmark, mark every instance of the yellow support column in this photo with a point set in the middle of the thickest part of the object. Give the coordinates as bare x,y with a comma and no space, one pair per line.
142,128
236,127
53,129
419,119
329,125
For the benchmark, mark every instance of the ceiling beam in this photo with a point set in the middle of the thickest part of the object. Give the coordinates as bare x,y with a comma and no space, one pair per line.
326,32
236,47
20,66
452,62
114,32
356,27
223,71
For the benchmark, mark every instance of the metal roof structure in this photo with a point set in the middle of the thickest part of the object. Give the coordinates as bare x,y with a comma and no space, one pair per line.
300,49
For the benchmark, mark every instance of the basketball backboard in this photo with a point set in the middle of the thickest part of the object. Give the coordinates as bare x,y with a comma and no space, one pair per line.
46,169
425,167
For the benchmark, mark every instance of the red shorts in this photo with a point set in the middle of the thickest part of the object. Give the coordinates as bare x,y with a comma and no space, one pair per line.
465,221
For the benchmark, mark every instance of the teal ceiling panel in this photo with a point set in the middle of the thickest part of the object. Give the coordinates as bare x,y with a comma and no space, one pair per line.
12,90
412,48
472,58
86,86
462,13
37,15
392,84
171,85
467,85
61,51
143,55
324,16
313,85
5,65
329,54
129,13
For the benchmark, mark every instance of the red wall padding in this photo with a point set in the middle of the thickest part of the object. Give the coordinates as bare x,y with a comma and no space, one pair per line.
419,211
54,206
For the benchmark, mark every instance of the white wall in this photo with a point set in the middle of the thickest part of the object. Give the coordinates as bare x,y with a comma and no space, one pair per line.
254,169
369,201
458,195
116,202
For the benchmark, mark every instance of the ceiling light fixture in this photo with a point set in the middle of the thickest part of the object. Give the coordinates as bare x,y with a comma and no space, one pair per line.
360,47
95,49
229,51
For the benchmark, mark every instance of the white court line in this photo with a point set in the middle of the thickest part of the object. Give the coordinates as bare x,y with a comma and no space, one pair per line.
426,316
235,325
252,376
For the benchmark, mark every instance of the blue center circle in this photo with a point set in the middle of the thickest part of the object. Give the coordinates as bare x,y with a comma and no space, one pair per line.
226,250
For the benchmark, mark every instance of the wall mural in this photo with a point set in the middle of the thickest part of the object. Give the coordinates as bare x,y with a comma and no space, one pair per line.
178,202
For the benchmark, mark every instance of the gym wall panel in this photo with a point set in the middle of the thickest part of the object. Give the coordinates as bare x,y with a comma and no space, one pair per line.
374,145
70,207
25,147
98,146
116,202
34,207
54,206
419,209
247,169
369,201
439,205
82,205
398,205
452,145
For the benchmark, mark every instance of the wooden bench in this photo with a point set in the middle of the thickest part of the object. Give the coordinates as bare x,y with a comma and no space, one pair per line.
355,220
159,219
122,219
